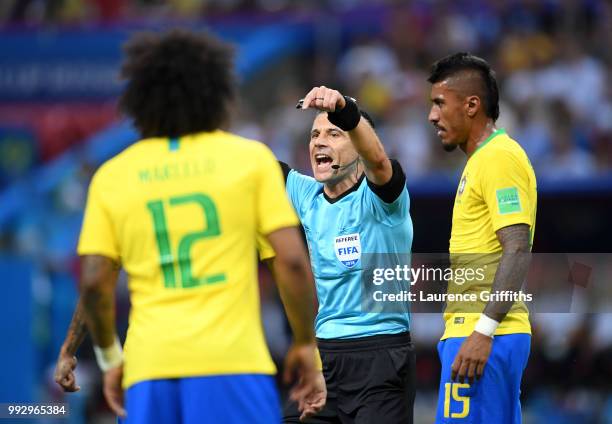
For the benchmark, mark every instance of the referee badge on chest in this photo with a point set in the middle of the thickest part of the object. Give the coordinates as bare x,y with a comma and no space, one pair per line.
348,249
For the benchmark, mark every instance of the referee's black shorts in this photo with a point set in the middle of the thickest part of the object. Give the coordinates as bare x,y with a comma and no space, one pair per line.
369,380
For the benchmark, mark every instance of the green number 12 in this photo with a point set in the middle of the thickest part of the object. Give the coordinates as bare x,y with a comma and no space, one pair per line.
166,256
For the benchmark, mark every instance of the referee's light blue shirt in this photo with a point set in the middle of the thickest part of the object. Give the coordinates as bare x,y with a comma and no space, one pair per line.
338,234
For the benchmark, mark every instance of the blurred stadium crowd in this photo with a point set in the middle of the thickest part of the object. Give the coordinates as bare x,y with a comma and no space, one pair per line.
554,65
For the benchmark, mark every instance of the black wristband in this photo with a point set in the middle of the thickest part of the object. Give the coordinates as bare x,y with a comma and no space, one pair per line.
346,118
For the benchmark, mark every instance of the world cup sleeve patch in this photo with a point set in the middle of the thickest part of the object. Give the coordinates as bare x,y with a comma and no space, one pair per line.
348,249
508,200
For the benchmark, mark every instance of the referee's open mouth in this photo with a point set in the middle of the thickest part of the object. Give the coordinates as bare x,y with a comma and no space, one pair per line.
322,162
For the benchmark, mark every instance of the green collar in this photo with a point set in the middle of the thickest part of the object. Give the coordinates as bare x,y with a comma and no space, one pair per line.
489,138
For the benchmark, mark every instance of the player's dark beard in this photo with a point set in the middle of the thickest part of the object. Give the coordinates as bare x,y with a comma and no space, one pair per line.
449,147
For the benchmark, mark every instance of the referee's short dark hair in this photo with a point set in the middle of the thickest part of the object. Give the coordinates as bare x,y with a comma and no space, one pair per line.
459,62
178,83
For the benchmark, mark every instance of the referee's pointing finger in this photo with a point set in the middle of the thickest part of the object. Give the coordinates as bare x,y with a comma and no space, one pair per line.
309,98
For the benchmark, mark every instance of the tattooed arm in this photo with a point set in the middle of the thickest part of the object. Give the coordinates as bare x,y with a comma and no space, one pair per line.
76,332
511,272
67,361
98,281
512,268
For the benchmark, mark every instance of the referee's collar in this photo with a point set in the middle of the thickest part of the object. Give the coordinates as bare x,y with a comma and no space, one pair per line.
355,186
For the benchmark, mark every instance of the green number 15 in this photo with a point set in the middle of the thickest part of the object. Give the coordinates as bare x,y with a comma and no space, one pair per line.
167,257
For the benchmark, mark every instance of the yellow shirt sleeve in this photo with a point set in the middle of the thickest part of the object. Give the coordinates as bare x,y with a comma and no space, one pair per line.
97,232
505,190
273,208
264,248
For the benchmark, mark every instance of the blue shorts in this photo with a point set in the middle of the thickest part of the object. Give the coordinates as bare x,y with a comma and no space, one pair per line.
243,398
495,398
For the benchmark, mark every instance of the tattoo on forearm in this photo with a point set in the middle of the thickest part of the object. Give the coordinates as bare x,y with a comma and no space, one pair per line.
98,279
512,269
77,330
100,313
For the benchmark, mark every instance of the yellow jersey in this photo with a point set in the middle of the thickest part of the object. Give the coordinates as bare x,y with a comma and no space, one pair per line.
182,216
497,189
265,249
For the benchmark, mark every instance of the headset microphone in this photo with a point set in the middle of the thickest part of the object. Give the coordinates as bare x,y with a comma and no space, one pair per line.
337,167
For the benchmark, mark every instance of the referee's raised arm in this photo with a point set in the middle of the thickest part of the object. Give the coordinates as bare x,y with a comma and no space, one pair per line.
344,113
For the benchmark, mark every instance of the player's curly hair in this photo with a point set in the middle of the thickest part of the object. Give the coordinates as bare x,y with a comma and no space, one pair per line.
462,61
178,83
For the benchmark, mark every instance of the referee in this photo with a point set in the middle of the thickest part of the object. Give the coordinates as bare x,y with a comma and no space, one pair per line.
356,203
